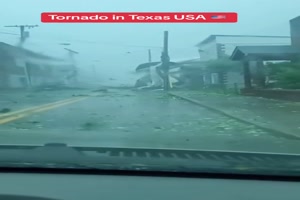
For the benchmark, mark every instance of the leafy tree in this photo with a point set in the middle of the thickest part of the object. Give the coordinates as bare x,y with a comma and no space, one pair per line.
287,74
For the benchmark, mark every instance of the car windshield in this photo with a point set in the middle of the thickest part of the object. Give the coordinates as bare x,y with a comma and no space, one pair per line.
194,74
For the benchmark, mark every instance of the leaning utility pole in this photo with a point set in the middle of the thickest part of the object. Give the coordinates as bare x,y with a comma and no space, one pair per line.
165,59
24,34
71,56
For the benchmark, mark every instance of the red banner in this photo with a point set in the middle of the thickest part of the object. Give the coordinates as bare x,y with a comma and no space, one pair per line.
139,17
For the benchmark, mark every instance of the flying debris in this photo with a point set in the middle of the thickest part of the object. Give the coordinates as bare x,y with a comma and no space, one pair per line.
65,44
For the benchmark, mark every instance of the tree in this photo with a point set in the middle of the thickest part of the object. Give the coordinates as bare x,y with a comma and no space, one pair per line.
286,74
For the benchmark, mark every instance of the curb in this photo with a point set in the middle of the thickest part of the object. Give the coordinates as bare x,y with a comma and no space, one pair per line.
275,131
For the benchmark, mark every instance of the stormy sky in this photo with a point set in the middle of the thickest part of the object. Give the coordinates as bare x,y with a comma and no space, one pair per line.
116,49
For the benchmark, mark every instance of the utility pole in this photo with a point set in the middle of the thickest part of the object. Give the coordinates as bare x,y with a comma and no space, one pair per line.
24,34
165,59
71,56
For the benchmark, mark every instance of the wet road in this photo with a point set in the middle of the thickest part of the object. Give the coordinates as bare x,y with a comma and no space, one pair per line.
134,119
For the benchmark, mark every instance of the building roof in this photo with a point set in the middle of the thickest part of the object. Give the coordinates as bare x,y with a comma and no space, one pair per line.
148,65
189,61
195,66
275,52
213,37
295,19
174,64
21,52
192,64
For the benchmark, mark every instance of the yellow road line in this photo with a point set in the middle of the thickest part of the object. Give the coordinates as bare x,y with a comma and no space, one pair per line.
36,107
58,105
26,112
12,118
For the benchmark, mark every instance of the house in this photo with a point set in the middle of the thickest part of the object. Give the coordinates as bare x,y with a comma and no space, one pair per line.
219,46
20,68
254,57
295,31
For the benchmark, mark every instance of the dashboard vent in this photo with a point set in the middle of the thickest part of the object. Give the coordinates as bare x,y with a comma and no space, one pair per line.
251,159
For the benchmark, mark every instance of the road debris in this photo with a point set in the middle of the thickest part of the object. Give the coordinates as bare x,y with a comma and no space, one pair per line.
34,122
80,95
97,124
5,110
88,126
101,90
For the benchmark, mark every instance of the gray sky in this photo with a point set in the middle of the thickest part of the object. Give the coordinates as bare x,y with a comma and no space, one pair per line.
110,42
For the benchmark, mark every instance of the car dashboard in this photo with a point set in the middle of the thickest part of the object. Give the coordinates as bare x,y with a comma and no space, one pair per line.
52,172
35,186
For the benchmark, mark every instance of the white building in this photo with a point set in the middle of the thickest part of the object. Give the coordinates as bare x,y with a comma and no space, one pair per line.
217,46
295,31
220,46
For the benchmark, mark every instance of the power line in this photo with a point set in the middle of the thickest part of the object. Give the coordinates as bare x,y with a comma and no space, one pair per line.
273,43
24,34
101,43
112,44
8,33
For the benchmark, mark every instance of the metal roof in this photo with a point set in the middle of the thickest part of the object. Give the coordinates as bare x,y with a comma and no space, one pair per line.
183,64
21,52
271,52
148,65
213,37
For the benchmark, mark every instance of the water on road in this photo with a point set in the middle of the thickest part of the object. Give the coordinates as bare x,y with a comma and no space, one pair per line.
149,119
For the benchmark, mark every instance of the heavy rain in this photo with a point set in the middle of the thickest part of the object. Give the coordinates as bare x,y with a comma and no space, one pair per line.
216,86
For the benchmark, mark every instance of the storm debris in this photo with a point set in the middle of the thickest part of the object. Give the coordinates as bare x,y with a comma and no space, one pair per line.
128,95
124,129
88,126
5,110
80,95
101,90
34,122
121,128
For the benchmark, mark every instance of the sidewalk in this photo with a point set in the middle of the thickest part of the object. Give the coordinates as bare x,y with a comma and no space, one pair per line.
272,114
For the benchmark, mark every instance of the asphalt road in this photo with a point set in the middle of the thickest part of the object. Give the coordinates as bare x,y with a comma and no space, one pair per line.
131,119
